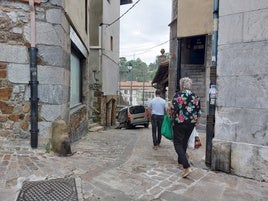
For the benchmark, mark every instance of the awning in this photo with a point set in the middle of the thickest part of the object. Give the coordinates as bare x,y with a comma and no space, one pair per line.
161,76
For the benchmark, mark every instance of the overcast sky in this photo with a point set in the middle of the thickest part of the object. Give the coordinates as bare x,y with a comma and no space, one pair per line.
143,28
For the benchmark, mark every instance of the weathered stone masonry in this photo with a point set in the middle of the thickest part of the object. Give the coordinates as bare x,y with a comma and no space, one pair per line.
240,145
53,67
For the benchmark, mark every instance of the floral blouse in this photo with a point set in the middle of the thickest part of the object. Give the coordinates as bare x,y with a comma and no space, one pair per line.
186,106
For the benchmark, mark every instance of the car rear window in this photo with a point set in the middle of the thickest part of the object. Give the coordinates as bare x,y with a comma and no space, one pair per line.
136,110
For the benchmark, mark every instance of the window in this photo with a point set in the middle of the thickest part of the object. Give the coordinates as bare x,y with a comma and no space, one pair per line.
76,79
77,63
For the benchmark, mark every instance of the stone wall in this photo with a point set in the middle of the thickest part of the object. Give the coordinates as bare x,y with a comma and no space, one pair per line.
78,123
242,81
106,109
53,67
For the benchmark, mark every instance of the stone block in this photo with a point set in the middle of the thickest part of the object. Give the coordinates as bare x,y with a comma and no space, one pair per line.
229,7
26,107
15,38
3,117
53,112
54,15
45,130
60,138
53,75
226,91
253,126
57,2
54,94
13,53
243,59
221,156
22,77
24,125
243,91
238,125
250,161
255,26
251,91
17,30
226,124
3,73
16,89
5,94
47,34
230,29
14,117
46,74
53,56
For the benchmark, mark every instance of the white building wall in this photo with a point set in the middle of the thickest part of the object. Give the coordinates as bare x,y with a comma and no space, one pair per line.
110,57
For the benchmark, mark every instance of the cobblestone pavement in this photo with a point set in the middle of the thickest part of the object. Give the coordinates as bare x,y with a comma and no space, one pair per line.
120,165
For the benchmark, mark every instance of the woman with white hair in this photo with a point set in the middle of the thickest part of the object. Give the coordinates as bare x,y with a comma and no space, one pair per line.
186,110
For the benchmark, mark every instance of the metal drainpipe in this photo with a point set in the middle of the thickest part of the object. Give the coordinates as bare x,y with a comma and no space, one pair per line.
33,80
212,91
179,64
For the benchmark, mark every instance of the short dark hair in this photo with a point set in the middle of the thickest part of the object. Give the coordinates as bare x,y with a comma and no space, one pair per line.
157,92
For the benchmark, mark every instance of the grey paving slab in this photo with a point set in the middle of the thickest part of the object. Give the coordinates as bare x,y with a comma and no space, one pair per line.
120,164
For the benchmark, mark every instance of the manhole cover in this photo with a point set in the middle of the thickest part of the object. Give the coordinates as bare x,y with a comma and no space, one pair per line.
50,190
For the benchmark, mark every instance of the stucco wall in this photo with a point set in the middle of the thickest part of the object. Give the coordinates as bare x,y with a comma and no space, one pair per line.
76,12
110,58
242,81
195,18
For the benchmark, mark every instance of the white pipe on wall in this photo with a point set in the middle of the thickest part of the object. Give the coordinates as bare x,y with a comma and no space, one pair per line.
32,16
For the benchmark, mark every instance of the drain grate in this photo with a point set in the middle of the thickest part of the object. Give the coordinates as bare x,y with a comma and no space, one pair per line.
63,189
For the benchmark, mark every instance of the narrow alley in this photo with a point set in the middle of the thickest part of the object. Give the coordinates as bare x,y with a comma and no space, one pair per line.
120,165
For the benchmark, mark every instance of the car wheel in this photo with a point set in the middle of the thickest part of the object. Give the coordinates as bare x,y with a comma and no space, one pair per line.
146,125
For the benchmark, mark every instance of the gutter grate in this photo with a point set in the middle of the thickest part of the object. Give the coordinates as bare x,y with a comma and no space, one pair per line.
62,189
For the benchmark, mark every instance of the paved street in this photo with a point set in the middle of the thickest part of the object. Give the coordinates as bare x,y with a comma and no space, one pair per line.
121,165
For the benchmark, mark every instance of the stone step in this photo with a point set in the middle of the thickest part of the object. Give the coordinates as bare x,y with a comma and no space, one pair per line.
91,125
95,127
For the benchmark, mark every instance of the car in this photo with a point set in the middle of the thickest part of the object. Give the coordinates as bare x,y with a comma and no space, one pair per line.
132,116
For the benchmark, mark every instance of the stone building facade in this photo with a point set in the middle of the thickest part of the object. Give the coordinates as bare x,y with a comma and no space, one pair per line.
53,43
190,48
67,78
240,145
237,123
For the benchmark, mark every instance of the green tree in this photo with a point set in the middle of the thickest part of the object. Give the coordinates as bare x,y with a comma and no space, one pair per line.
140,70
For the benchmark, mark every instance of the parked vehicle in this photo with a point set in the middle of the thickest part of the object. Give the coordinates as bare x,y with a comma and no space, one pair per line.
132,116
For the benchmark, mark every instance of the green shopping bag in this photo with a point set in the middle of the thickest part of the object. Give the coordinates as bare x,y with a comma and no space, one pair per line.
166,129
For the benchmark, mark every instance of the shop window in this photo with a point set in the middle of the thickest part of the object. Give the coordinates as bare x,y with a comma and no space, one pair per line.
76,78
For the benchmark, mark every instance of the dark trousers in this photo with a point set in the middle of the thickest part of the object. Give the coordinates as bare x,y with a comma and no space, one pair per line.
157,121
181,135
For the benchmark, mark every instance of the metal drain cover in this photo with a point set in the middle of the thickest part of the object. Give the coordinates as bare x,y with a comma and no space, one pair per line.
63,189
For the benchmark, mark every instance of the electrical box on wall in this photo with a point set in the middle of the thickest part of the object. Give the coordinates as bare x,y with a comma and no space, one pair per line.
35,1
